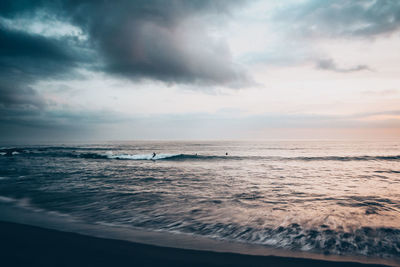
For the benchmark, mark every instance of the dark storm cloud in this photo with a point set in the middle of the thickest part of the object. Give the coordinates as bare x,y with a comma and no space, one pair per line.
26,58
329,64
10,8
347,18
161,40
19,95
18,44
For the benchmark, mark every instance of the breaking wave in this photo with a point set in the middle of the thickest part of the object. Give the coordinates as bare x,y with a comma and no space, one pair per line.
381,242
163,157
367,241
103,153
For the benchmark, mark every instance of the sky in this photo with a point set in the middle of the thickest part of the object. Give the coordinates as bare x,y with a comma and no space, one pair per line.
199,69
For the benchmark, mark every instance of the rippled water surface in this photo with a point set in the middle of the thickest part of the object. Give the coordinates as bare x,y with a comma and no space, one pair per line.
324,197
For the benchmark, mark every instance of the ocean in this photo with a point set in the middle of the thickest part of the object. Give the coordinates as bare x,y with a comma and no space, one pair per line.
323,197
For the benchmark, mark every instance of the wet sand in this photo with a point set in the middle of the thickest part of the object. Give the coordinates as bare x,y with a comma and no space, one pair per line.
22,245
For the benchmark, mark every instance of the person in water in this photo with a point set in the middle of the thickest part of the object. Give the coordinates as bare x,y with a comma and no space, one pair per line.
226,154
154,154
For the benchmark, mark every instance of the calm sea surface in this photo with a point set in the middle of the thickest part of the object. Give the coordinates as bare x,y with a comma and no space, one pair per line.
324,197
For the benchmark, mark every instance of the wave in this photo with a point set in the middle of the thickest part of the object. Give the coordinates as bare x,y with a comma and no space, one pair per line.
215,157
11,151
71,153
368,241
381,242
176,157
20,203
89,153
347,158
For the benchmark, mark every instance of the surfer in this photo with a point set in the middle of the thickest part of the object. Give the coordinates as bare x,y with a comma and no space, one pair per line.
226,154
154,154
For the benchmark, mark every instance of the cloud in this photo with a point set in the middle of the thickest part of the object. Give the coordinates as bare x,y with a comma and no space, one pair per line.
83,125
17,95
344,18
27,58
329,64
380,93
26,123
159,40
165,41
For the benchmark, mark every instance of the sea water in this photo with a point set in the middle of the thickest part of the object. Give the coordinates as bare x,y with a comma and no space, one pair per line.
327,197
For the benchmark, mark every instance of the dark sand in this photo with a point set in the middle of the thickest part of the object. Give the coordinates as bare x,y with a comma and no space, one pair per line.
22,245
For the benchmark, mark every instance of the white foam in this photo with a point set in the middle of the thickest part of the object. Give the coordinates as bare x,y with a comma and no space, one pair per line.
142,156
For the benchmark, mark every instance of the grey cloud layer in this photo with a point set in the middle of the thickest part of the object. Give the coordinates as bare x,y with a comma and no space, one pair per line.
95,125
299,24
27,58
329,64
161,40
346,18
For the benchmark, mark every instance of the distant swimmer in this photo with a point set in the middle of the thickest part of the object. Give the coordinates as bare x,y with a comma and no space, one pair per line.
226,154
154,154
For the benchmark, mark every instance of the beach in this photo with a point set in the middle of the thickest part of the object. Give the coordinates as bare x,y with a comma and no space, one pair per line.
23,245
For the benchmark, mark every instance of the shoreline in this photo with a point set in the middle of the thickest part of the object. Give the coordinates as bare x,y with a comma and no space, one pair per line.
46,220
24,245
